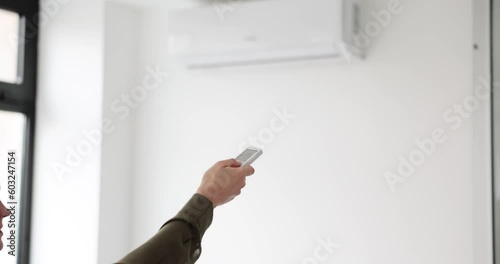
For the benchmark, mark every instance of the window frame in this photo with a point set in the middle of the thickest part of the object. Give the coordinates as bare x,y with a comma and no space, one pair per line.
21,98
25,92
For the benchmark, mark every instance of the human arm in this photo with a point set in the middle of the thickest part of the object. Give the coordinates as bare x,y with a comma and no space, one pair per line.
179,239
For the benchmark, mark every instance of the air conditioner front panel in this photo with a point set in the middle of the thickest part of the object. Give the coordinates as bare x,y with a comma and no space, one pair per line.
257,31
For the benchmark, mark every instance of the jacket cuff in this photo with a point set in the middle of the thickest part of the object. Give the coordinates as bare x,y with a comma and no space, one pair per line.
198,212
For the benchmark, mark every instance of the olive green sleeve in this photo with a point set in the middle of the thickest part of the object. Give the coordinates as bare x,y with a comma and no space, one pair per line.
179,240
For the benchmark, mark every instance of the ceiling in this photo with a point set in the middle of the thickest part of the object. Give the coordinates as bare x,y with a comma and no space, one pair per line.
173,4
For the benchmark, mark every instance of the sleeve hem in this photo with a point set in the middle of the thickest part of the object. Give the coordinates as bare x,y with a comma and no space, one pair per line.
198,212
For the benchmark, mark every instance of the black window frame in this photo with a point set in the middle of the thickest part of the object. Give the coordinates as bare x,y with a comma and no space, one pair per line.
21,98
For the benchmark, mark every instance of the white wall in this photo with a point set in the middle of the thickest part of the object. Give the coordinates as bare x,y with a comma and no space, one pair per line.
120,69
481,141
323,175
66,207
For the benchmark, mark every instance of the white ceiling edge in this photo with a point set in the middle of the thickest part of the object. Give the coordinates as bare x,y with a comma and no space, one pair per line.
170,4
173,4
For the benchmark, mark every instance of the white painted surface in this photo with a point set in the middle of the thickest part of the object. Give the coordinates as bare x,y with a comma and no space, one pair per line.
177,4
66,208
481,140
120,69
323,174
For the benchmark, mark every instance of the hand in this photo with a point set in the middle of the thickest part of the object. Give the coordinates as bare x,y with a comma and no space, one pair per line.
224,181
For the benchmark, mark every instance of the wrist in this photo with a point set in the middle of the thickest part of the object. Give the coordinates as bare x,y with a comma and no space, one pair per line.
206,195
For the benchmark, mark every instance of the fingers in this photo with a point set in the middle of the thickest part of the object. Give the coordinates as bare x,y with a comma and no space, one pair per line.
228,163
247,170
243,171
234,164
224,181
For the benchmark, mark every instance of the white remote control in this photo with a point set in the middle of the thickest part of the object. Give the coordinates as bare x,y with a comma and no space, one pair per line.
248,156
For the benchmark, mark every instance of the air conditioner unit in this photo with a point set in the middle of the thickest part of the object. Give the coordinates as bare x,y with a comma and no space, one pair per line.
248,32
